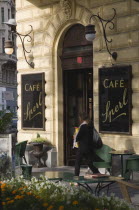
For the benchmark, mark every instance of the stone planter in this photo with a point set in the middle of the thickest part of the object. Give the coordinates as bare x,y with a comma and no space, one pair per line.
40,153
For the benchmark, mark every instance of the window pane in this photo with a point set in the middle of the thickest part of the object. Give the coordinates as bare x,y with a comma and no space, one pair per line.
2,14
8,14
3,43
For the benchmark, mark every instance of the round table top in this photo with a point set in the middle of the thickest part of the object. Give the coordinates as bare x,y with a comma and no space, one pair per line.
93,180
121,152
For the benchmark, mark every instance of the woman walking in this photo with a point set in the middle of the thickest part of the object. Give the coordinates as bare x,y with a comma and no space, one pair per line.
84,139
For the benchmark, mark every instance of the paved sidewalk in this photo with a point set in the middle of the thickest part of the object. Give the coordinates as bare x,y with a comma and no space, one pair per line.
114,188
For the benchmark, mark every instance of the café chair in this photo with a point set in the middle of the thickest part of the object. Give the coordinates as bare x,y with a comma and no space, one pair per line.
20,149
132,165
105,158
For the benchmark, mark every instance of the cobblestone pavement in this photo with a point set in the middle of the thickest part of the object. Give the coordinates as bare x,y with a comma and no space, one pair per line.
114,188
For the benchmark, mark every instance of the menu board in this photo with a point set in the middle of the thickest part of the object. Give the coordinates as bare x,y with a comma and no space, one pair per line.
33,101
115,99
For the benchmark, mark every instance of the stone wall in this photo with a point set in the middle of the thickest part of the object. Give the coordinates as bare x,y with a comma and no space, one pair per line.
125,42
50,23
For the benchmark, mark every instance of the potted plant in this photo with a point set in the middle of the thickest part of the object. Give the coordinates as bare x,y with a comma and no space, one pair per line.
41,146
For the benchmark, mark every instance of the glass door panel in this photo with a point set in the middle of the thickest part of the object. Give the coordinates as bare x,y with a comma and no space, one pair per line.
77,98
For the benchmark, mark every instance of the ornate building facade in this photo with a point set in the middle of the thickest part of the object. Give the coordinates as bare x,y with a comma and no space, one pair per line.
77,74
8,73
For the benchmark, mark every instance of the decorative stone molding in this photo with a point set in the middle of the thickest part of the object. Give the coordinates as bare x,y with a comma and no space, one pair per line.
66,7
41,3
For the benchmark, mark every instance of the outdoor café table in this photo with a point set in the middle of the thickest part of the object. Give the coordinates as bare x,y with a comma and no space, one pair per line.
121,153
102,182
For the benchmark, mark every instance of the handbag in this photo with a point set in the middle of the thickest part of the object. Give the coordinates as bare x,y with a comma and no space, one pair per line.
97,141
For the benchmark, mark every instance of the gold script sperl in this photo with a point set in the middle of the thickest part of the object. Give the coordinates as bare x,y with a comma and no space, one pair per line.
33,110
112,113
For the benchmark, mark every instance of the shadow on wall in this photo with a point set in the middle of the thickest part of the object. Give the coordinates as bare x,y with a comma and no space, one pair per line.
116,160
129,145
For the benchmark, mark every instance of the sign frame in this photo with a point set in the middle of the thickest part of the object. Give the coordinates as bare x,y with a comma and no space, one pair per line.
41,99
115,99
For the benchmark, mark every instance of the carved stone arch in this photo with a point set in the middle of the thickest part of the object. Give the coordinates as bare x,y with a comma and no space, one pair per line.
57,26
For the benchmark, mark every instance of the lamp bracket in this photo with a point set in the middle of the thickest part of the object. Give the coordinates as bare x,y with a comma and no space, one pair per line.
22,39
105,23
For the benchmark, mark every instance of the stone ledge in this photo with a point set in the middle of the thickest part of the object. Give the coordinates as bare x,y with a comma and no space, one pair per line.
40,3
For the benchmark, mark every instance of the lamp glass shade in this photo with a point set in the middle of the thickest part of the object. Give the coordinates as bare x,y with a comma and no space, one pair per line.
90,37
8,47
90,32
11,22
9,51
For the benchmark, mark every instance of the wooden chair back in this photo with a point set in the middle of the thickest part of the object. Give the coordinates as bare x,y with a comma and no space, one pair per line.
105,158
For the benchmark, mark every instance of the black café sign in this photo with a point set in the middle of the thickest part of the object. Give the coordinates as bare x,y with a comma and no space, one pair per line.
33,101
115,99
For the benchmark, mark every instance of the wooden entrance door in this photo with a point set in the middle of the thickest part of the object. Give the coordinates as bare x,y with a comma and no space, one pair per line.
77,65
77,98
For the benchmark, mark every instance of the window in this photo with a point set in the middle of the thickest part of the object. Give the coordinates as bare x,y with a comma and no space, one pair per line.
2,97
3,43
2,14
13,16
4,75
8,14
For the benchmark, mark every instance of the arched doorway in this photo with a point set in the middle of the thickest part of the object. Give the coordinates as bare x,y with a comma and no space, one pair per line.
77,66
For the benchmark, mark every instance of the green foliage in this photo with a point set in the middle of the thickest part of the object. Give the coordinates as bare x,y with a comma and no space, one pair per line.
5,121
40,139
42,194
38,135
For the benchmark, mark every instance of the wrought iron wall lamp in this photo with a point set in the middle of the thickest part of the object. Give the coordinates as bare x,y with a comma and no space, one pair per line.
9,44
90,31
